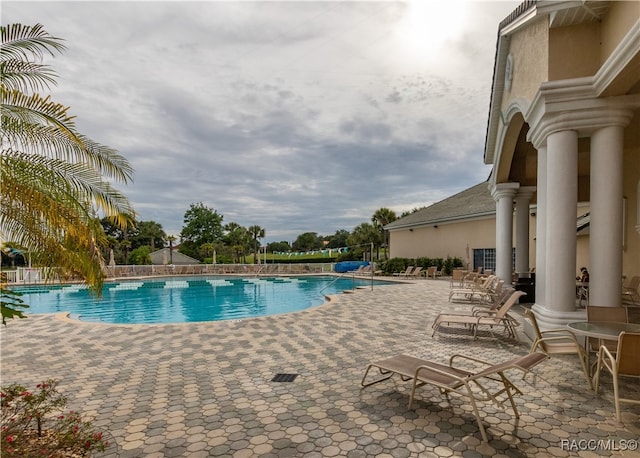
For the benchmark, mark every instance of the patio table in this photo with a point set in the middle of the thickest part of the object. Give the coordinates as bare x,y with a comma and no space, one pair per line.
601,330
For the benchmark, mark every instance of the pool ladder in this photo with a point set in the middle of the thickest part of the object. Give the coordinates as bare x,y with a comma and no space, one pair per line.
353,282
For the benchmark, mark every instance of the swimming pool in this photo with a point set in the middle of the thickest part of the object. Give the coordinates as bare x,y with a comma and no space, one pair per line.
186,299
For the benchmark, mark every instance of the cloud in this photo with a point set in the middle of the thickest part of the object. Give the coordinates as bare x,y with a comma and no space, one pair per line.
296,116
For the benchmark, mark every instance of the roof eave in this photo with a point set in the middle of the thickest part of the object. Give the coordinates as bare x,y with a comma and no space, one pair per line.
497,88
452,219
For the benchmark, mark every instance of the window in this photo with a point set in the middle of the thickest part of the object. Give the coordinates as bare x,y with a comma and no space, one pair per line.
486,258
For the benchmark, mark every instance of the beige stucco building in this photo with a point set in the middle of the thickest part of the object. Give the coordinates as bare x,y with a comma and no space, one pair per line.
462,226
563,138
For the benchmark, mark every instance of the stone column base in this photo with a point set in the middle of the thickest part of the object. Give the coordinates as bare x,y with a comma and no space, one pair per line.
553,319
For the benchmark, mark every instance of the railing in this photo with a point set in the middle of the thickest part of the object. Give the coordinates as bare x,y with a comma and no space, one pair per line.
353,274
34,275
218,269
24,275
345,274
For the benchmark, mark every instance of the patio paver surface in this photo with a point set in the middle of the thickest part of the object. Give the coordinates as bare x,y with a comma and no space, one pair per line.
205,389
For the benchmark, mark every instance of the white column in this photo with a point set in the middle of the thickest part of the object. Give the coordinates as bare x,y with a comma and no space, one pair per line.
523,201
541,226
605,229
562,201
503,194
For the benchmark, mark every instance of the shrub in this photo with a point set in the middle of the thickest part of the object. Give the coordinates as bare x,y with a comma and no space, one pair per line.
394,265
140,256
400,264
34,424
450,264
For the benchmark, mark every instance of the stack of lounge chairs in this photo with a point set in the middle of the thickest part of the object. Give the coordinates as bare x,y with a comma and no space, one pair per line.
481,289
404,273
495,316
410,272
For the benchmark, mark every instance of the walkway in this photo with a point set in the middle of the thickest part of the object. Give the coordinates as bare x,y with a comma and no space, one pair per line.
206,389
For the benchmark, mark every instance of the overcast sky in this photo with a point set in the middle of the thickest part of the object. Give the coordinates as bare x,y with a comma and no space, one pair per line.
295,116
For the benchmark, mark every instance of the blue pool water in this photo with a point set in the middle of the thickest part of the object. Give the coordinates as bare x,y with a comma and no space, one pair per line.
186,299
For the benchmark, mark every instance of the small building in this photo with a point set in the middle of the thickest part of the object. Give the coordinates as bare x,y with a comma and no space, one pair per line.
462,226
164,257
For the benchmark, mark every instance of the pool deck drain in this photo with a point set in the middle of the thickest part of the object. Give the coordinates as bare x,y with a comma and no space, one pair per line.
284,377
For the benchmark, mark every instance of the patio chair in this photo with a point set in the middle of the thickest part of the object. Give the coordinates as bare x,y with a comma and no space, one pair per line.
405,273
461,381
363,270
415,273
496,303
434,272
557,342
494,290
488,308
631,292
457,278
358,270
624,363
500,317
475,291
598,313
470,279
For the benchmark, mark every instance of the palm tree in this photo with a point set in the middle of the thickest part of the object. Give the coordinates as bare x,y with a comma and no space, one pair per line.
380,219
171,239
256,233
236,237
364,234
56,182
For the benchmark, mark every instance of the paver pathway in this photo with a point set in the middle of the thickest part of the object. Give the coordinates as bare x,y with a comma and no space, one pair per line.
206,389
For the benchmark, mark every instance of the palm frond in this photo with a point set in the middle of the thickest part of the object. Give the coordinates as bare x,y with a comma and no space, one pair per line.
46,128
35,109
57,179
25,76
25,42
42,211
54,181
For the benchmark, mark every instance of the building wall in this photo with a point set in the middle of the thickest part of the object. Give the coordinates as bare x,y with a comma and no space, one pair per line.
616,24
530,62
541,54
449,239
574,51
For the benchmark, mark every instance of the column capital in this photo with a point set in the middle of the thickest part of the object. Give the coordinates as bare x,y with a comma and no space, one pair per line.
525,192
553,111
501,190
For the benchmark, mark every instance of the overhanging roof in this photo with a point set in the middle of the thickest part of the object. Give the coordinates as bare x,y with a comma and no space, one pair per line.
472,203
